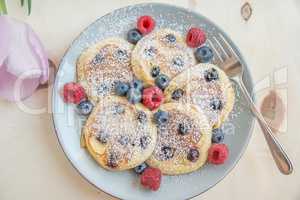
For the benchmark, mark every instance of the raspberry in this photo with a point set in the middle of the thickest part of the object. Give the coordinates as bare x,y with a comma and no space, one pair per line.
73,93
151,178
145,24
195,37
218,154
152,97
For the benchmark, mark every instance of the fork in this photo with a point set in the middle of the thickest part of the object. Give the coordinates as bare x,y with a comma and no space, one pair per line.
226,58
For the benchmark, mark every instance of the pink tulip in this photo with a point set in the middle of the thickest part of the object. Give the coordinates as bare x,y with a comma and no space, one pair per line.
23,60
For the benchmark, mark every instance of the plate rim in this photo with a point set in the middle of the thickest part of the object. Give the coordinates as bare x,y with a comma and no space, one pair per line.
175,7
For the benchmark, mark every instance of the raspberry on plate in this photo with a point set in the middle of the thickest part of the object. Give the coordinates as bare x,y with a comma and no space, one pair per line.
145,24
151,178
218,154
152,97
73,93
195,37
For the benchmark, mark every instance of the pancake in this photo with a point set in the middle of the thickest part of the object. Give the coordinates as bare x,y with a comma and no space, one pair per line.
165,49
100,66
215,98
172,153
119,135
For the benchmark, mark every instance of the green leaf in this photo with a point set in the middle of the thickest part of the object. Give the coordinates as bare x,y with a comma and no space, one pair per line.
29,6
3,9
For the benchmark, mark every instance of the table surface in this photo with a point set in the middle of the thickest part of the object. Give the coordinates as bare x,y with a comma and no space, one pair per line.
32,164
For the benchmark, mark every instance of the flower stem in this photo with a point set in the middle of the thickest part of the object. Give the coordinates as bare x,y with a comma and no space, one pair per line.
3,9
29,6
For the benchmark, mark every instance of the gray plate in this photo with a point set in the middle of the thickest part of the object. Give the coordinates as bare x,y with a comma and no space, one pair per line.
68,124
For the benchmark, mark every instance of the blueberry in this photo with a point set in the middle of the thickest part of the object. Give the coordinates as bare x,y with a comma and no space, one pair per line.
178,62
155,71
218,135
112,160
141,116
102,137
150,52
124,140
204,54
97,59
118,109
216,104
134,96
211,75
85,107
183,128
121,88
193,155
136,84
144,141
102,89
134,35
141,168
162,81
167,152
122,54
177,94
161,117
170,38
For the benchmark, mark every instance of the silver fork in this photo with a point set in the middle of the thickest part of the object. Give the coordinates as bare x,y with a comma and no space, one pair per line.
226,58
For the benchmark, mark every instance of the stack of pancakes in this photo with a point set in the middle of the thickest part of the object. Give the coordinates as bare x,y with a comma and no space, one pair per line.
120,135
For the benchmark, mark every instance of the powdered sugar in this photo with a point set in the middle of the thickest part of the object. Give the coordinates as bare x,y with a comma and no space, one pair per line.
203,93
108,65
170,143
126,137
165,49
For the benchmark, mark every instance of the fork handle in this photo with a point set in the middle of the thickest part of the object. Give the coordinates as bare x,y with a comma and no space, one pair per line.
279,155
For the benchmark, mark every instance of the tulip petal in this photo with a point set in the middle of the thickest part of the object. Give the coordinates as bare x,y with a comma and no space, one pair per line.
40,53
8,83
4,38
21,57
23,60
